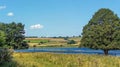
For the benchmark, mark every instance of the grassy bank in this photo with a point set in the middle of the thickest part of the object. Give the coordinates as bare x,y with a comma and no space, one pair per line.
63,60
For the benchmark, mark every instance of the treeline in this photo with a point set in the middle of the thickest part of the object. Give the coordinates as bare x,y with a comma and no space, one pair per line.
31,37
65,36
11,35
52,37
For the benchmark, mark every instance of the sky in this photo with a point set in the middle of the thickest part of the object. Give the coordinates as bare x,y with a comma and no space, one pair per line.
51,18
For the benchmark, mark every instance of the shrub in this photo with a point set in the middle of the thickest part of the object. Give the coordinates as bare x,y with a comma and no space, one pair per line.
41,42
5,55
28,41
71,42
66,38
44,41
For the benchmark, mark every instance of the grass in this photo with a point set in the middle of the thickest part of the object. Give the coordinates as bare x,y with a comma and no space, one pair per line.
52,42
75,38
60,60
63,60
36,40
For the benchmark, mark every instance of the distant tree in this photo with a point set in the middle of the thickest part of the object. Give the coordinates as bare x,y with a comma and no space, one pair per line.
31,37
54,37
66,38
102,31
71,42
28,41
60,37
73,36
41,42
79,36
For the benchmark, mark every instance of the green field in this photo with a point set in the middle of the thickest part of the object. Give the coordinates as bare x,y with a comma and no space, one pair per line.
62,60
52,42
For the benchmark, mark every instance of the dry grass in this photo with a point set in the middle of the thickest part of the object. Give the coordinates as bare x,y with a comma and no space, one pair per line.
64,60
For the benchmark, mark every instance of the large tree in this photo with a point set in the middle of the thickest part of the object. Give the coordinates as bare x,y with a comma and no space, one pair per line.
102,31
14,35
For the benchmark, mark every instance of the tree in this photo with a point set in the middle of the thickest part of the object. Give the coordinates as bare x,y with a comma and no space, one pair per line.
11,35
66,38
71,42
102,31
14,34
79,36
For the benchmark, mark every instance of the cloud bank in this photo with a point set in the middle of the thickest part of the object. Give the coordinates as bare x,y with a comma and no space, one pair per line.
36,26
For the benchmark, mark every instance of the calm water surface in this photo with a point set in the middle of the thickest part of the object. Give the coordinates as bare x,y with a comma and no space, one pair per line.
72,50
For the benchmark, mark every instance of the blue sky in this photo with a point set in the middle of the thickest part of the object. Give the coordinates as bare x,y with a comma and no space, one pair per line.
53,17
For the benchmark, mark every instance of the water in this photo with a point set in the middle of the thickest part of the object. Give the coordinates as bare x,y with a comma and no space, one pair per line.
72,50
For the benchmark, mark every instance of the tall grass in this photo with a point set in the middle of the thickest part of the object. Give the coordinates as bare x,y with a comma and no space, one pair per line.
64,60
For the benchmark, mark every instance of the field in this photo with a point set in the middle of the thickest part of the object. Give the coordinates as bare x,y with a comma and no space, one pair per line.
52,42
62,60
39,59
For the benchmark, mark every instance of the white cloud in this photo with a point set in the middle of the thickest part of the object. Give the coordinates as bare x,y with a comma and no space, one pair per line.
36,26
2,7
10,14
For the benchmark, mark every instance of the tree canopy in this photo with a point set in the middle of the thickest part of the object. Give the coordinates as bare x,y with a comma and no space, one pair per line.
12,35
102,31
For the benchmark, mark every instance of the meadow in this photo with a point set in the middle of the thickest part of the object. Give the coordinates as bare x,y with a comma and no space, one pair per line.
52,42
39,59
62,60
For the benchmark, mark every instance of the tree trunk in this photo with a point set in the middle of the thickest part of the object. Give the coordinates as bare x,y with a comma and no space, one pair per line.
106,52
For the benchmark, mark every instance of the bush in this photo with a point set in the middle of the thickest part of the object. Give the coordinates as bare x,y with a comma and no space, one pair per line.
5,55
66,38
71,42
28,41
44,41
41,42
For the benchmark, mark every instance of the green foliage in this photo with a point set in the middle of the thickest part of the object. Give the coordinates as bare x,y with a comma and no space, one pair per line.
24,45
28,41
5,55
66,38
102,31
43,42
71,42
2,38
13,33
37,41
